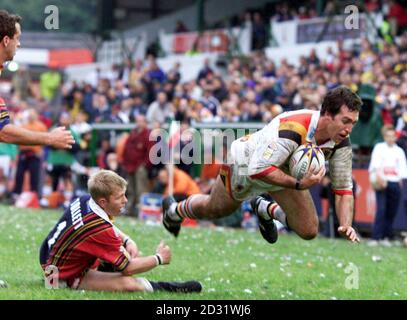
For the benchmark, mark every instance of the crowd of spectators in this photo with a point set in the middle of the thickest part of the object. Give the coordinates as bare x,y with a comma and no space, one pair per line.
392,21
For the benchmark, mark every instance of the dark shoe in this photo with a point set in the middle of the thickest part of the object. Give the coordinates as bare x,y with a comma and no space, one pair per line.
181,287
172,226
268,228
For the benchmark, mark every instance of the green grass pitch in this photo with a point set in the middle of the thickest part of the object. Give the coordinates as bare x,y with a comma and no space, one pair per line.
231,264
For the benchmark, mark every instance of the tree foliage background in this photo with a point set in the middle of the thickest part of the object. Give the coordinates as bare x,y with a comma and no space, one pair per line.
74,15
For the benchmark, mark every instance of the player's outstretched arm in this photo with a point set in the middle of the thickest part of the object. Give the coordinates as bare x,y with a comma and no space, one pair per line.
279,178
59,138
344,209
143,264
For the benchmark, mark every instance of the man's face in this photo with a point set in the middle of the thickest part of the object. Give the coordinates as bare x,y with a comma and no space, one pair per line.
11,44
342,124
141,122
390,137
162,98
115,203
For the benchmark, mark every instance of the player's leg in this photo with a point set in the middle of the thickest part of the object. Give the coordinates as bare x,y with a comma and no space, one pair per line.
55,174
392,205
301,215
216,205
34,167
379,221
19,177
115,281
111,281
199,206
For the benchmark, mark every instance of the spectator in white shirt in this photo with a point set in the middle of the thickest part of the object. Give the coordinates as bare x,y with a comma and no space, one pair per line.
387,170
160,110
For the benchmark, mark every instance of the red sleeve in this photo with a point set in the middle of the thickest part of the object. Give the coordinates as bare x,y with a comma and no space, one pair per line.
264,172
342,192
107,246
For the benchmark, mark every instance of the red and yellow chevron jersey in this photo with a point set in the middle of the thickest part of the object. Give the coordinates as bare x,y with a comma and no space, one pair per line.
4,115
254,156
82,237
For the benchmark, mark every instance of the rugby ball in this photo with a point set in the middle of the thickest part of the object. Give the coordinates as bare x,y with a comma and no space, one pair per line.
305,158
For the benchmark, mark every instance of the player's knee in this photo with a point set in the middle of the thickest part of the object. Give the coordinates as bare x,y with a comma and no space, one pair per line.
309,233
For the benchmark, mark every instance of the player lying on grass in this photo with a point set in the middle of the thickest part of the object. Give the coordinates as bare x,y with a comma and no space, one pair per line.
258,164
85,244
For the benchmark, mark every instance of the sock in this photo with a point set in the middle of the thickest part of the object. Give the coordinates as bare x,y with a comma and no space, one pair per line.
148,285
185,287
184,209
279,215
269,210
173,212
262,209
163,286
155,286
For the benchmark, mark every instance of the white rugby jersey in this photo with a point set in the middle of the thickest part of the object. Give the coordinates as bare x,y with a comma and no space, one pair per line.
254,156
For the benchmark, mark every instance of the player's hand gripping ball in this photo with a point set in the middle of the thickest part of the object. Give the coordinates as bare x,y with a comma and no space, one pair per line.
307,157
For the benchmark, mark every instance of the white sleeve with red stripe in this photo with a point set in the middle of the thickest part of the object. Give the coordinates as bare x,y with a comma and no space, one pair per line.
340,169
270,156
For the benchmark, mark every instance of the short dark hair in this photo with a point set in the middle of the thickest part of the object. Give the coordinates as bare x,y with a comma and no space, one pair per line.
338,97
8,24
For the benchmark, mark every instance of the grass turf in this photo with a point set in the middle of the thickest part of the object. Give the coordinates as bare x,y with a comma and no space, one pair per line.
231,264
